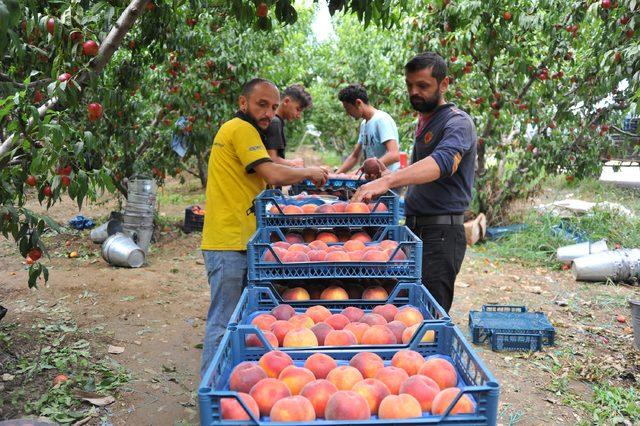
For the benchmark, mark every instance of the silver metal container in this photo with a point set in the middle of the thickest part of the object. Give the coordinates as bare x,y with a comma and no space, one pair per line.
141,235
574,251
618,265
635,321
120,250
104,231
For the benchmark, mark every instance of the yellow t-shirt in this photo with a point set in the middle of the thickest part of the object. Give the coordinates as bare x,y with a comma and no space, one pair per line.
232,186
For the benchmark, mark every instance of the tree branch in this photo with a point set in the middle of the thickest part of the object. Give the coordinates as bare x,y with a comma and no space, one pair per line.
624,133
32,85
97,64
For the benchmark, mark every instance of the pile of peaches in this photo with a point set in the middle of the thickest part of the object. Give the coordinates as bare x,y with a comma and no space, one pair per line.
409,387
318,326
335,207
334,292
326,248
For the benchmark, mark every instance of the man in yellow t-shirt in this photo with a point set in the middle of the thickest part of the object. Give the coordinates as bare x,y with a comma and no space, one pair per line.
239,169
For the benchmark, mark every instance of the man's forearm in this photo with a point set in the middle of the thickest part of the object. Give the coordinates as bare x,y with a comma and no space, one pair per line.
389,158
423,171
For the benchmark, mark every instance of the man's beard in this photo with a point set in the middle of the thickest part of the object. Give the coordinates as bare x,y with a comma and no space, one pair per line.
264,123
423,105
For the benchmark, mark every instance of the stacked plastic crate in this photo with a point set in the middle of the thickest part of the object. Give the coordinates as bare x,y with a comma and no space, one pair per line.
315,292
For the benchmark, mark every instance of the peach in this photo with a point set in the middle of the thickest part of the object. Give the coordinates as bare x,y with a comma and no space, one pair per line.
402,406
422,388
373,319
340,338
337,321
273,362
379,335
293,409
296,293
399,255
347,405
292,209
409,316
357,208
321,330
373,391
283,312
393,377
327,237
269,257
353,313
334,292
293,238
388,244
245,375
320,365
264,321
295,378
339,206
337,256
252,340
361,236
428,337
375,293
336,247
398,329
280,329
300,337
353,245
368,363
356,256
308,208
299,247
317,255
267,392
325,208
344,377
318,313
230,408
318,245
295,257
446,396
358,329
318,393
274,209
441,371
375,256
282,244
388,311
380,208
410,361
302,320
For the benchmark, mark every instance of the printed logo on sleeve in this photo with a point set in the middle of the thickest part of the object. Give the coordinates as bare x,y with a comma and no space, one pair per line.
427,138
254,148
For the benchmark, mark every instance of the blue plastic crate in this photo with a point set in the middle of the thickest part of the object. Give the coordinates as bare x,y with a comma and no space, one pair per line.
261,299
509,327
274,198
473,377
409,269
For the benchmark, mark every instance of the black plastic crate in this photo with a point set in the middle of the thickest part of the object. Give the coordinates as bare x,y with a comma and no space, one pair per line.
192,222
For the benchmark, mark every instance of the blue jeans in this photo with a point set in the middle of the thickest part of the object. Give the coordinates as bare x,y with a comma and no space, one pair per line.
227,274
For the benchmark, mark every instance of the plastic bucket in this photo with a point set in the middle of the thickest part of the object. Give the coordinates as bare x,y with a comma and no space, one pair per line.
120,250
142,186
574,251
635,321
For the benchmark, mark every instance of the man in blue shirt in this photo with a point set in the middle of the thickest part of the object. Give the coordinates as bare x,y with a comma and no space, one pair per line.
378,137
440,177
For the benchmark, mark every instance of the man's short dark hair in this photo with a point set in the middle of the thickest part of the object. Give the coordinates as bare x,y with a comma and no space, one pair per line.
251,84
353,92
298,93
428,60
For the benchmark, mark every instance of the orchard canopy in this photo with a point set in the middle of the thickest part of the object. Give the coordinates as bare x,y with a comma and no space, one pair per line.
91,92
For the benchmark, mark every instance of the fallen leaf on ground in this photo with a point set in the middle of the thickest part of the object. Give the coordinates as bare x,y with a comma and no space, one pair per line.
115,349
6,377
95,399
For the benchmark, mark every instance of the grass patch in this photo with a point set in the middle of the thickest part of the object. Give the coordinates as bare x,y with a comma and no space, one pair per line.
35,356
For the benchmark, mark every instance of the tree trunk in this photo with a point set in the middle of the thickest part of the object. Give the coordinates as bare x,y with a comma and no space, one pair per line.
107,49
202,168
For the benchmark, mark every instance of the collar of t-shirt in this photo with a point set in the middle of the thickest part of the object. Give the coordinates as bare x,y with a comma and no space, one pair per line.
422,121
246,117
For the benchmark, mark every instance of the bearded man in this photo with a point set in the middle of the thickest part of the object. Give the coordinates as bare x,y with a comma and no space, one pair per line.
440,177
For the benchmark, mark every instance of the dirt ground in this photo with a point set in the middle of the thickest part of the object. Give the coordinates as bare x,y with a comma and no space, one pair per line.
157,314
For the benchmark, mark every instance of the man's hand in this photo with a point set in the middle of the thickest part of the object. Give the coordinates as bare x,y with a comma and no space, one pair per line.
371,190
317,175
